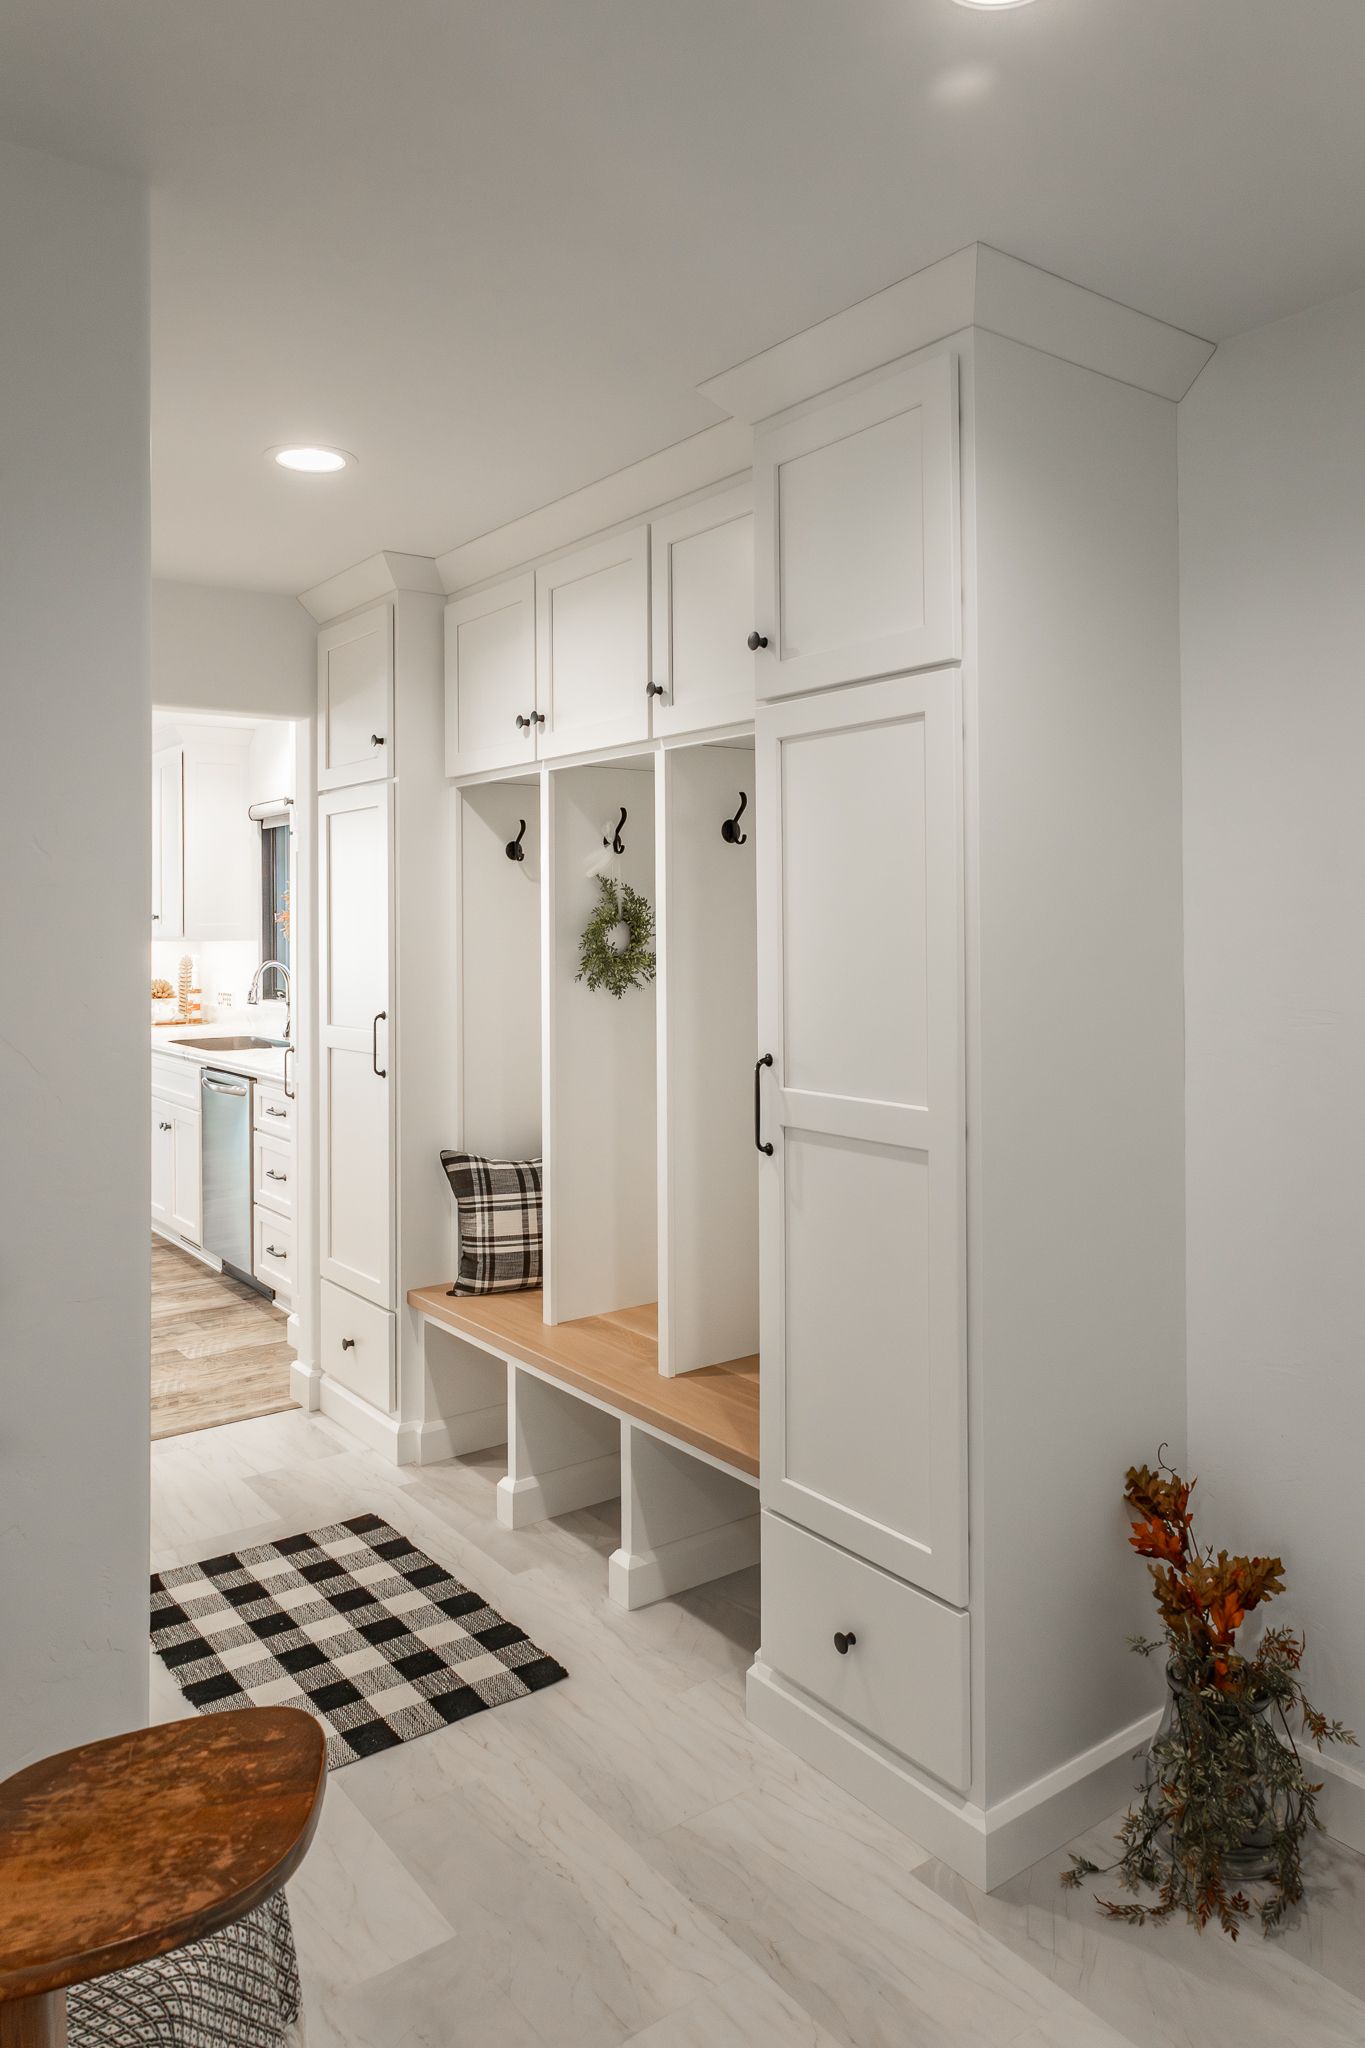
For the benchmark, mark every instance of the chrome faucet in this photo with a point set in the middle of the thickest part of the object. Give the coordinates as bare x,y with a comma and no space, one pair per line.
254,993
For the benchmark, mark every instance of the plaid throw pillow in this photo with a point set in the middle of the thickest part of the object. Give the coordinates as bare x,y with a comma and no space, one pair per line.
500,1229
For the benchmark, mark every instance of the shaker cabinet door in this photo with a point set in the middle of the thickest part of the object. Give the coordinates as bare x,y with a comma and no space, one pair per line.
862,1268
491,678
355,699
856,538
592,647
702,612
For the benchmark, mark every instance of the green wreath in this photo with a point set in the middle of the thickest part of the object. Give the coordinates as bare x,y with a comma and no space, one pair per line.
600,964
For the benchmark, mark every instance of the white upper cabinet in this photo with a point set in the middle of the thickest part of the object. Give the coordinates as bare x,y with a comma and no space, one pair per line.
857,545
355,699
862,1235
702,571
592,647
490,655
168,862
222,877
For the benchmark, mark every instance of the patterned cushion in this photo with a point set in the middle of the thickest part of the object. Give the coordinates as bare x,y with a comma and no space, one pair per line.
500,1227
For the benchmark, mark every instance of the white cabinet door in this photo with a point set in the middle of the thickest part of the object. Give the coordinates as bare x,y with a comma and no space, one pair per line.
356,1347
187,1199
491,678
857,548
355,1225
222,881
168,873
163,1161
702,609
592,647
355,699
864,1417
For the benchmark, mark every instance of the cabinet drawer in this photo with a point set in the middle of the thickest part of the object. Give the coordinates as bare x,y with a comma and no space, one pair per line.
357,1345
272,1173
273,1251
176,1080
905,1679
274,1110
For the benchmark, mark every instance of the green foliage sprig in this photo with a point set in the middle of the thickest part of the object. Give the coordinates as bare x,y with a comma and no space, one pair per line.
600,964
1219,1828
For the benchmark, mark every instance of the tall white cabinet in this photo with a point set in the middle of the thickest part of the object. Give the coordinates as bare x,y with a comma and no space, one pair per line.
386,1070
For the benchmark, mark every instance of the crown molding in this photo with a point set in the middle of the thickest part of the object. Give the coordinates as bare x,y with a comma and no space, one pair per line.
691,465
975,287
378,576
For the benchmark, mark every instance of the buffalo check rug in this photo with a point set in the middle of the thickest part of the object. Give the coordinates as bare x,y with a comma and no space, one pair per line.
352,1622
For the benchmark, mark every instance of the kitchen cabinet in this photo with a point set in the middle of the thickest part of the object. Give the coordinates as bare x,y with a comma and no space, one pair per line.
176,1198
701,610
221,845
356,1346
856,534
356,1041
273,1253
490,678
862,1235
355,699
168,860
592,647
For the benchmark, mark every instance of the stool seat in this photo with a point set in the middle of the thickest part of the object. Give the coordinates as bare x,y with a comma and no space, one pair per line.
126,1849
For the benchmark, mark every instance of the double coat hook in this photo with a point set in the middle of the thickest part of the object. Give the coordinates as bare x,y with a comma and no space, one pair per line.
616,842
730,831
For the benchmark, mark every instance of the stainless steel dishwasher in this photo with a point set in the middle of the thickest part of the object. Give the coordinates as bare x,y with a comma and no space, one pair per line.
225,1132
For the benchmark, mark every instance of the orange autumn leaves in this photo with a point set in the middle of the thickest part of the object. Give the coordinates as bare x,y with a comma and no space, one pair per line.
1203,1599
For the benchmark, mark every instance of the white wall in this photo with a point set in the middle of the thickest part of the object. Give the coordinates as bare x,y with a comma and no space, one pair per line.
1272,511
246,651
74,830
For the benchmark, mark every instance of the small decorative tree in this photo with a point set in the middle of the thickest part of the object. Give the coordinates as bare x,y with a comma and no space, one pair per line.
1226,1803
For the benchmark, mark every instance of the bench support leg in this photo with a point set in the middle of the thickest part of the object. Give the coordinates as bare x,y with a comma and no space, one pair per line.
562,1453
465,1397
682,1521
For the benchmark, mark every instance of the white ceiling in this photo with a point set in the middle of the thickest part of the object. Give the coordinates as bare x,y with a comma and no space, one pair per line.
492,246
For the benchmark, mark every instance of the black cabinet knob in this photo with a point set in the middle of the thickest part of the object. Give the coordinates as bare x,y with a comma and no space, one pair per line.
844,1643
348,1343
757,640
523,724
655,690
376,739
537,718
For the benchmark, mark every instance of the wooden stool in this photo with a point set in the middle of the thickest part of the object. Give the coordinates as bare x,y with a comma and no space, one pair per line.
129,1848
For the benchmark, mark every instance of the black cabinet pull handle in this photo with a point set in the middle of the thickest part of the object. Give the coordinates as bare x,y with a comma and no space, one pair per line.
844,1643
757,640
523,724
759,1065
655,690
376,739
381,1017
348,1343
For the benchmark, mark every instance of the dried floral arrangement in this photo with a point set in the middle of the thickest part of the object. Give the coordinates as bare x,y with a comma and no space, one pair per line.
1226,1805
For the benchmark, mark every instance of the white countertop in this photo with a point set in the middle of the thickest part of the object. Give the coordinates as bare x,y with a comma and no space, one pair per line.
267,1065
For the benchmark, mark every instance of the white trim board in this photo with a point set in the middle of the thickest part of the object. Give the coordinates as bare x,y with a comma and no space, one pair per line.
378,576
987,1846
976,287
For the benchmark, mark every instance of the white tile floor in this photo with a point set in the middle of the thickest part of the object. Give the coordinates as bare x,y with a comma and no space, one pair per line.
621,1858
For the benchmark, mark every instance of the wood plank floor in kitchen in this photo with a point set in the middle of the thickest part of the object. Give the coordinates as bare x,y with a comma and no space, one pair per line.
218,1348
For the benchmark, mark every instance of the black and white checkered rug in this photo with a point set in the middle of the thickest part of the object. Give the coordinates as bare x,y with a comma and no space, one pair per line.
352,1622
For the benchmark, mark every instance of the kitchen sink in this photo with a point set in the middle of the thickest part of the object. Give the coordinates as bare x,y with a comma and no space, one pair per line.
232,1044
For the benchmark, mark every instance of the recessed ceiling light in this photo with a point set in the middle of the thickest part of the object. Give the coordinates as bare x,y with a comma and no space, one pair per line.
993,3
312,461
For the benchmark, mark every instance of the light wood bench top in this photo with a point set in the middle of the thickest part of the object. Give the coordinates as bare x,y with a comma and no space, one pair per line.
615,1358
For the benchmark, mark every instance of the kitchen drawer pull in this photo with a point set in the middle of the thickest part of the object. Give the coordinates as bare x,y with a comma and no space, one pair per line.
271,1174
272,1251
348,1343
270,1110
759,1065
844,1643
381,1017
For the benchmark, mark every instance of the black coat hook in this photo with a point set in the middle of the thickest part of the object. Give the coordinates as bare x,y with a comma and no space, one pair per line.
730,831
616,843
515,849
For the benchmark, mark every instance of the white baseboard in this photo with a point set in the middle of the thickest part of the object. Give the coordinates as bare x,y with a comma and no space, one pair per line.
304,1383
481,1429
1341,1803
382,1433
561,1492
986,1846
637,1579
